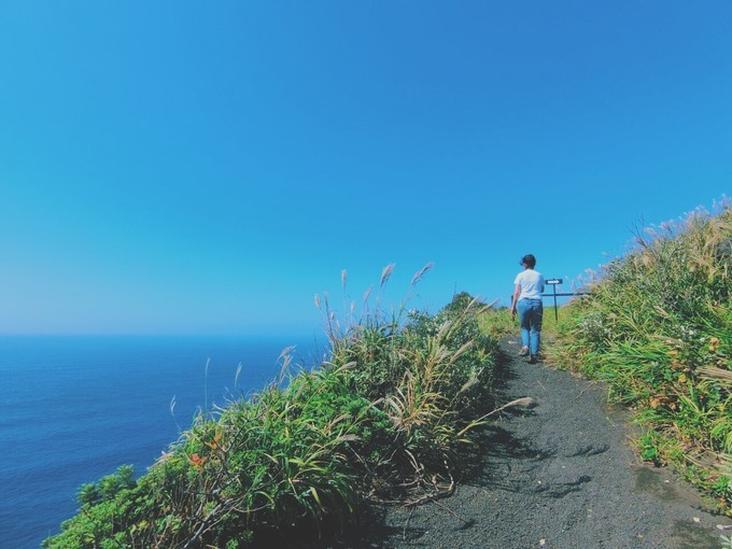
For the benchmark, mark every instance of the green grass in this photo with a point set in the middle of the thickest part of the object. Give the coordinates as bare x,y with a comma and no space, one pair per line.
497,322
657,328
390,416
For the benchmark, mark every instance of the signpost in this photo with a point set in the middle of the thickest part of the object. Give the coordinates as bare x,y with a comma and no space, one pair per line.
554,282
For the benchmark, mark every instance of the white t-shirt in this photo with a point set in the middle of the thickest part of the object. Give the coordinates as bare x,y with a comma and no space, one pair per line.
531,282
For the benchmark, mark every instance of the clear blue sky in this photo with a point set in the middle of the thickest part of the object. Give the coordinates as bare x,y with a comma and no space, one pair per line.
188,167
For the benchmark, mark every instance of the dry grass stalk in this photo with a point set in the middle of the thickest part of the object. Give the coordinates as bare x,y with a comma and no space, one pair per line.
420,274
386,274
716,374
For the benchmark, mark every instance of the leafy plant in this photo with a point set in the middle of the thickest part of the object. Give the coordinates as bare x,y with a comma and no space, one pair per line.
658,328
386,417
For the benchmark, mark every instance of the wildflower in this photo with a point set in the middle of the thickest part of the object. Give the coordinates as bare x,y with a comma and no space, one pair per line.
197,460
713,344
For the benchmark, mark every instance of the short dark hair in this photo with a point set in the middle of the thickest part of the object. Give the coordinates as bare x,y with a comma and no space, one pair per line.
529,260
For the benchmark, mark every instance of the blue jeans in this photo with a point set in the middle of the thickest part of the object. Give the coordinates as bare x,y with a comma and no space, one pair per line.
530,313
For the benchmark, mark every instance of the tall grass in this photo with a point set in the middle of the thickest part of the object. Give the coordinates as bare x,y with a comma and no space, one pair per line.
387,417
658,328
498,322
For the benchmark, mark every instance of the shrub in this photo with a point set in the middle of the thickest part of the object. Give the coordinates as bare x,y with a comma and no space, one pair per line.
384,418
658,328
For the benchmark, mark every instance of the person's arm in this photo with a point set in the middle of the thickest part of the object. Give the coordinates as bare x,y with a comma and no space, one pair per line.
514,301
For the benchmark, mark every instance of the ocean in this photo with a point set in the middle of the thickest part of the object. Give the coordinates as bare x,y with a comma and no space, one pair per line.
74,408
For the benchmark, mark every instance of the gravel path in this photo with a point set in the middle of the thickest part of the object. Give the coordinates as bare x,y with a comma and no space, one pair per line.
561,475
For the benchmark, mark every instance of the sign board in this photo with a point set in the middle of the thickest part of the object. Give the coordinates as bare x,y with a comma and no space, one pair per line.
553,281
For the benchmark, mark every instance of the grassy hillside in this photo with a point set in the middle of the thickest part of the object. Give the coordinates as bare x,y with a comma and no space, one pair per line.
390,416
657,328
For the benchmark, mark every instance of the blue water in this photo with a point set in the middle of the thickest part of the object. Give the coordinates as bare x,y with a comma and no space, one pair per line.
73,409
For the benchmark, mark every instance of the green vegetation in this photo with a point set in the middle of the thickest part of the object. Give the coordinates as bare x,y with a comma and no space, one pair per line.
391,415
497,322
657,328
394,411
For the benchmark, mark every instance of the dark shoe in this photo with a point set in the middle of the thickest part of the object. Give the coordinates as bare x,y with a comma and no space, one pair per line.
533,359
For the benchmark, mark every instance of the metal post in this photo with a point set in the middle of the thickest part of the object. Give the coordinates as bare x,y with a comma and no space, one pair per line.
554,282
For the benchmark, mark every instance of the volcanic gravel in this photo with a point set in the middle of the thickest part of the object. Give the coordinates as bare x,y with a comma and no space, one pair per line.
560,475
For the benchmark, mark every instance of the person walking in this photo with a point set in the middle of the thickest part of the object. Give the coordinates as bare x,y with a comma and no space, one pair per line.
528,287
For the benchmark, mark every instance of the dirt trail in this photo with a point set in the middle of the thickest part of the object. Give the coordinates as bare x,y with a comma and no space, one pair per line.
561,475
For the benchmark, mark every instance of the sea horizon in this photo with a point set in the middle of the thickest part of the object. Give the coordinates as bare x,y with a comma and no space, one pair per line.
75,407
